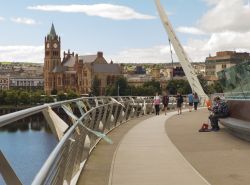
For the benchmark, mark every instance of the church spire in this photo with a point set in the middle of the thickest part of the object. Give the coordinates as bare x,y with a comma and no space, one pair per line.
52,33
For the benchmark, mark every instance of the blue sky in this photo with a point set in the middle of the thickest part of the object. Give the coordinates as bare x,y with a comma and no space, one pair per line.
125,30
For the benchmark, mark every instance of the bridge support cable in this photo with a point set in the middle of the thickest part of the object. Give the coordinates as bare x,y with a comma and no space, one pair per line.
181,54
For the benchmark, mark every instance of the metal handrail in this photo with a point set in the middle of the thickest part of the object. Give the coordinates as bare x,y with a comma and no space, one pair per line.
49,162
105,110
12,117
112,108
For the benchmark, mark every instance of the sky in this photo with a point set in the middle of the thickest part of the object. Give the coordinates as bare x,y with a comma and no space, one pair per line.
127,31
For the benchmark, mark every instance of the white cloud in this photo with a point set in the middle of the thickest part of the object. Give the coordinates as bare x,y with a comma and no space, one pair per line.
110,11
190,30
228,41
225,15
155,54
23,20
21,53
196,49
2,19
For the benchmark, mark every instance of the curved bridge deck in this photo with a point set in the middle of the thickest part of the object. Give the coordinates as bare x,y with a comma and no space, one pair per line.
164,150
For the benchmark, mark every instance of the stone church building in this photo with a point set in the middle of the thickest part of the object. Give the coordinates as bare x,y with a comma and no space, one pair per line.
73,72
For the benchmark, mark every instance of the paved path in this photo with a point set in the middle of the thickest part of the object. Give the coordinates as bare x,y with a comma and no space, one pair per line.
143,153
98,166
146,156
220,157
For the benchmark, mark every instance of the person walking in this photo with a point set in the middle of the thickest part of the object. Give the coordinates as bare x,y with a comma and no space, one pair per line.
190,101
165,101
179,101
196,101
157,102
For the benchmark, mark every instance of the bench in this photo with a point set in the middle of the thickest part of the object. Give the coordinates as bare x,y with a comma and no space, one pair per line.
239,121
237,127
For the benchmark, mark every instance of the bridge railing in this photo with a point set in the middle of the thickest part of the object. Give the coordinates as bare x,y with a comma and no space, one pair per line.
88,120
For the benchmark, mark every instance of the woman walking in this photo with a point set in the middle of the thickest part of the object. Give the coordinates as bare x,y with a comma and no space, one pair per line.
190,101
179,101
165,101
196,101
157,102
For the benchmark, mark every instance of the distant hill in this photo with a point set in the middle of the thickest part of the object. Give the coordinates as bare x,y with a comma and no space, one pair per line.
20,63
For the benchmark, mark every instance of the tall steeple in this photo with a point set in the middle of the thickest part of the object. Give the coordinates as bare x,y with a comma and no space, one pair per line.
52,58
52,34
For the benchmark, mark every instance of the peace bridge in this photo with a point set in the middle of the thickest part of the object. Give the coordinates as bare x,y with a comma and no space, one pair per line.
119,140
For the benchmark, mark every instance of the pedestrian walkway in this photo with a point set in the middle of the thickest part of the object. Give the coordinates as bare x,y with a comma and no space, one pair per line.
146,156
220,157
144,152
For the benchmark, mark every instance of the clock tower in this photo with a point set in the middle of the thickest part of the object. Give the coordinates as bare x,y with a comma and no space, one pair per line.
52,57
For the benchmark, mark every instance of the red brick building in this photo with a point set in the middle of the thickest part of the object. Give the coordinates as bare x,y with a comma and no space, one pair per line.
73,72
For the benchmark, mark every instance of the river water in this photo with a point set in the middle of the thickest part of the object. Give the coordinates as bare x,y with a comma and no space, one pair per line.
27,148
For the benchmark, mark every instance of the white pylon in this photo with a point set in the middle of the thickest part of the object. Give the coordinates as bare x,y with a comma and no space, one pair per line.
181,54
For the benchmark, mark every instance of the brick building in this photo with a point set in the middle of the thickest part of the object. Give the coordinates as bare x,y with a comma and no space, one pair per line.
74,72
223,60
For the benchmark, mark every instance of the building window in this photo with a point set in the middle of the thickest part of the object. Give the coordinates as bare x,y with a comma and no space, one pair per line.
224,66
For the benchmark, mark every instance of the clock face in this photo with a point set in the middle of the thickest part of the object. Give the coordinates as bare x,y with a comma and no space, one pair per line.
55,45
48,45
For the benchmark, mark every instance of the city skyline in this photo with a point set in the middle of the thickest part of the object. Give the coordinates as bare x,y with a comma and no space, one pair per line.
126,31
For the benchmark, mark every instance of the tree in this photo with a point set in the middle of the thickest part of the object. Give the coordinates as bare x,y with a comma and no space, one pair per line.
2,97
54,92
11,98
122,84
181,86
72,95
24,98
154,84
35,97
61,96
218,87
96,86
215,87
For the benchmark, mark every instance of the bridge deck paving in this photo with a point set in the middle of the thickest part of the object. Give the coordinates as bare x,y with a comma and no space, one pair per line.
220,157
143,153
98,166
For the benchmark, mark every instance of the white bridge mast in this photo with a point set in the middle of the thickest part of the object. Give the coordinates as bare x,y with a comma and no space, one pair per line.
181,54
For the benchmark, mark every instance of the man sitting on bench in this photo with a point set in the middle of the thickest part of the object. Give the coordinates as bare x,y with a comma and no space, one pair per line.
219,110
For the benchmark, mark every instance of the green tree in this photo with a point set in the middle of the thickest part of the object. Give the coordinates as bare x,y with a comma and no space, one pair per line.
24,98
96,86
122,84
2,97
218,87
110,90
61,96
181,86
36,97
11,98
54,92
154,84
72,95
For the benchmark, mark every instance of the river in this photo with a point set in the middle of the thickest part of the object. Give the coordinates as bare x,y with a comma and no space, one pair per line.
27,147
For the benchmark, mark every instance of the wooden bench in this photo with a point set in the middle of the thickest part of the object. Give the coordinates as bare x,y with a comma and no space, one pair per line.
239,121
